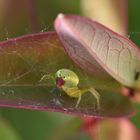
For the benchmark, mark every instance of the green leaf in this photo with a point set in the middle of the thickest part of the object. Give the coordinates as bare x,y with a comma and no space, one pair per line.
26,59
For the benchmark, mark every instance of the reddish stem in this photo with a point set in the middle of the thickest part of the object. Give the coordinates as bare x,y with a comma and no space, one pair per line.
31,12
123,15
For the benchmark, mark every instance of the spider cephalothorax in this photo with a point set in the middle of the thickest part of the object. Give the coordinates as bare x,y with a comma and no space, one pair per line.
69,78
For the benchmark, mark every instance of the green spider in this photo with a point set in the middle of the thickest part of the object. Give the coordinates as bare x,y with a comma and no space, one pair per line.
68,81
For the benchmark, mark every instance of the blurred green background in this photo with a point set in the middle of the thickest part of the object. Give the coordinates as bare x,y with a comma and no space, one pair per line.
16,19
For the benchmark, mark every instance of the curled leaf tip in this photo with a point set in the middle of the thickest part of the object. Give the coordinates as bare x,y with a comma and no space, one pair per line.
60,15
58,18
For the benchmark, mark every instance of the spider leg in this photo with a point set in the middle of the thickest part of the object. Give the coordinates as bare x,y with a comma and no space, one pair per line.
74,92
79,99
46,77
96,95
